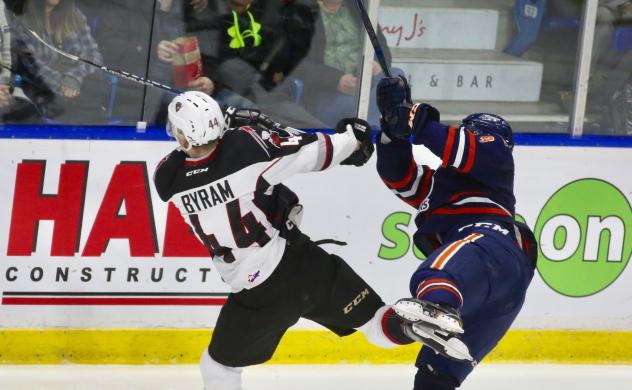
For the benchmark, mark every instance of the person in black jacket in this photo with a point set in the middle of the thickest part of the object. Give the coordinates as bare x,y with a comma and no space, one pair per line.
332,70
178,18
268,35
261,42
129,41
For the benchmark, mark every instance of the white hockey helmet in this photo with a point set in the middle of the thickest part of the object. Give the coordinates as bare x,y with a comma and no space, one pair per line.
198,116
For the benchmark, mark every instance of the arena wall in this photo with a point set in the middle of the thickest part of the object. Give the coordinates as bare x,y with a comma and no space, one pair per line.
95,267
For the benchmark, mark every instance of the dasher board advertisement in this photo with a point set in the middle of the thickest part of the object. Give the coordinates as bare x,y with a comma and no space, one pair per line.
86,241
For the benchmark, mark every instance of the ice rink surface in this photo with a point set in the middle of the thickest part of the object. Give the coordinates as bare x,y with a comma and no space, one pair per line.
338,377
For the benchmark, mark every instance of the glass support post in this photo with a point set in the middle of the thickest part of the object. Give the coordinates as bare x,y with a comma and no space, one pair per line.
367,69
582,77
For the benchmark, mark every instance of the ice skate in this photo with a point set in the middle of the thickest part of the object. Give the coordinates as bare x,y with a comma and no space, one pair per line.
435,326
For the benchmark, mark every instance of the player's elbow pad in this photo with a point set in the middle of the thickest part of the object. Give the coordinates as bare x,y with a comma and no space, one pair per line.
163,190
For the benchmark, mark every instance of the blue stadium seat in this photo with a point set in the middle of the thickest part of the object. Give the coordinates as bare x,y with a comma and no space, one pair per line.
553,23
528,17
622,39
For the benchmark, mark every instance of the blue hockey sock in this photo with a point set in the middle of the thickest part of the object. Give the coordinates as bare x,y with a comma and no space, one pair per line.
436,287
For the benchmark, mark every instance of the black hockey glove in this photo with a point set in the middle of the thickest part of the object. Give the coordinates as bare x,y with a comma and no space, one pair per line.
395,125
391,92
394,102
421,114
364,134
238,117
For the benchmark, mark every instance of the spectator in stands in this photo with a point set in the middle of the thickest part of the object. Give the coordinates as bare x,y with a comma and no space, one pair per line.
332,69
184,18
261,43
5,58
52,81
14,105
123,32
169,26
179,18
266,37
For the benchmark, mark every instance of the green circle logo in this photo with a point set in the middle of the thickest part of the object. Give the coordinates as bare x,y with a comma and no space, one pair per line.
584,235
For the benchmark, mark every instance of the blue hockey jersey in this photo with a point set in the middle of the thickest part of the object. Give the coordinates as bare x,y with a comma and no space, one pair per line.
473,184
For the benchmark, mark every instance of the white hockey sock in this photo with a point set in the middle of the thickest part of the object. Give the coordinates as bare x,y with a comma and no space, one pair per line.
374,330
217,376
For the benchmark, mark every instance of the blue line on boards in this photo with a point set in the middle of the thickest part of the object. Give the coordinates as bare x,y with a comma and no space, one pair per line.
153,133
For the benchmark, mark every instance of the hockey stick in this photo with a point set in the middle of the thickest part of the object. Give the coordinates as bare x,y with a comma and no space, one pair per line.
104,68
379,53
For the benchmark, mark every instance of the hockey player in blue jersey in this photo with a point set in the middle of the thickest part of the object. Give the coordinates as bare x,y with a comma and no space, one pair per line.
480,261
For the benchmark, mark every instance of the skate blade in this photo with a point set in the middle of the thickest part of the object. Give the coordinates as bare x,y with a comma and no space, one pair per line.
458,350
453,347
414,311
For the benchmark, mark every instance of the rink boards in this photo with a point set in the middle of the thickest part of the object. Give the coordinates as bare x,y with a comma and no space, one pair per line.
117,260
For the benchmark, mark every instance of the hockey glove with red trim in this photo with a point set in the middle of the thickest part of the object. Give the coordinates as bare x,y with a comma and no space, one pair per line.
238,117
364,134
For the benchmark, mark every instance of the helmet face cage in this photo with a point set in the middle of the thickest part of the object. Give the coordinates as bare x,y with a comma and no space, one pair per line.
170,130
490,124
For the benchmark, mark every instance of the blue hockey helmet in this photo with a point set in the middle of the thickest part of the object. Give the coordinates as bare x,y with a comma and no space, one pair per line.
490,124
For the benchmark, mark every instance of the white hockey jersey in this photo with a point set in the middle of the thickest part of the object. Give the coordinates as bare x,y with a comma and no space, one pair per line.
233,198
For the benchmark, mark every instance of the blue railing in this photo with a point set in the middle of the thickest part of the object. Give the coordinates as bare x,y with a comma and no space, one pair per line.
152,133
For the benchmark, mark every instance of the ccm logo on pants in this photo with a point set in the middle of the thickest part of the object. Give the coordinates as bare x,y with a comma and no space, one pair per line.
356,301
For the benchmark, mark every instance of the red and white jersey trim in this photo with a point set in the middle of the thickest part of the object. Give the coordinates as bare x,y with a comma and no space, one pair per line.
465,143
460,150
478,199
413,190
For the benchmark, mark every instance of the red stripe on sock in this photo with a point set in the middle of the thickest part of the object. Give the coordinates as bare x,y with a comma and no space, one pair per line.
451,291
385,330
436,280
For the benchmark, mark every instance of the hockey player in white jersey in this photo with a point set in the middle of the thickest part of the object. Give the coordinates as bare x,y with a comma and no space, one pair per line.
226,179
